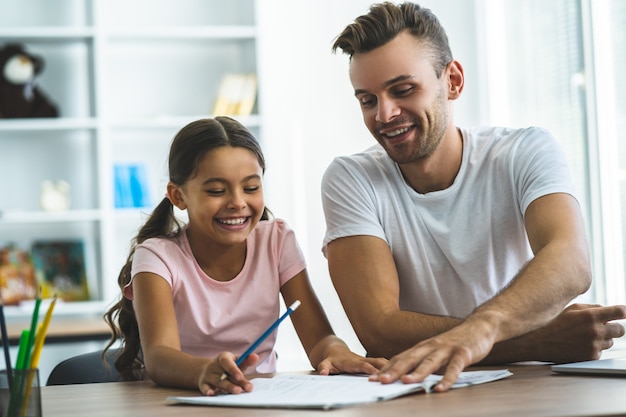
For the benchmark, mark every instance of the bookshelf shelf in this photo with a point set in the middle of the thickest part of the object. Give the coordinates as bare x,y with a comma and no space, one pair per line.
63,123
173,122
186,33
70,216
47,34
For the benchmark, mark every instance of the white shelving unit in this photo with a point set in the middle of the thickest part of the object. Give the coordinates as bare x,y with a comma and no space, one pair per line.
126,76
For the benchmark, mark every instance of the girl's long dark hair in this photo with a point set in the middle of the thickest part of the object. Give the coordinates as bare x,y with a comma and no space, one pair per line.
188,148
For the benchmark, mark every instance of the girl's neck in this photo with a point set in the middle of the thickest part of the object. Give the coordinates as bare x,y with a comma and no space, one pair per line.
219,262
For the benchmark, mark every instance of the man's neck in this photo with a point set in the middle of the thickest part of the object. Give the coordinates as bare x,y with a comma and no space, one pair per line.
438,171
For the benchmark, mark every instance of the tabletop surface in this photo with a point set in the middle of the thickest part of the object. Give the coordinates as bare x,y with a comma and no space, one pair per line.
532,390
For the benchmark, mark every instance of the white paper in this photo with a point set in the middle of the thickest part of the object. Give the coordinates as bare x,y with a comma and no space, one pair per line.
326,392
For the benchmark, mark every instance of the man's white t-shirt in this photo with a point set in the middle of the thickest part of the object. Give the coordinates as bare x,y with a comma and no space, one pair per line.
456,248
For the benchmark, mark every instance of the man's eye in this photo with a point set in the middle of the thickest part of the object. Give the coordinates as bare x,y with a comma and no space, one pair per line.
367,101
403,91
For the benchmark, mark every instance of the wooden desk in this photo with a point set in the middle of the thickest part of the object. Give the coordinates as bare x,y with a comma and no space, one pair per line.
533,390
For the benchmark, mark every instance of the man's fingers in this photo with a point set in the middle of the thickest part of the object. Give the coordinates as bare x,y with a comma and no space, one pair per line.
429,365
614,330
453,371
395,368
412,366
609,313
598,312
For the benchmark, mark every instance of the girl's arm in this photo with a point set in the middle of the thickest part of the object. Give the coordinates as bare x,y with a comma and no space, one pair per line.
328,353
165,363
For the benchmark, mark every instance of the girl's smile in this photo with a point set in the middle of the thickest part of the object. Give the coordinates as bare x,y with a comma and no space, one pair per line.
236,223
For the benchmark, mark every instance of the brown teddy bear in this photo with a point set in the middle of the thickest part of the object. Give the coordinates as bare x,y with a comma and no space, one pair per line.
19,95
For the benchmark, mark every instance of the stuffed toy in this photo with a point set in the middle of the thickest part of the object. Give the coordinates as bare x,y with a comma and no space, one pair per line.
19,94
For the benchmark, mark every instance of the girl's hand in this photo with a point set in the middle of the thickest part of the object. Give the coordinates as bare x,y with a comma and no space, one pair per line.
212,382
340,359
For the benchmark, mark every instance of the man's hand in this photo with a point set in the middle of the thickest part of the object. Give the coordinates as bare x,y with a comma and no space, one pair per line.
581,332
449,352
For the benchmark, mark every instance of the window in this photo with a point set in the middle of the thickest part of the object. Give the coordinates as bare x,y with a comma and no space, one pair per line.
554,64
608,45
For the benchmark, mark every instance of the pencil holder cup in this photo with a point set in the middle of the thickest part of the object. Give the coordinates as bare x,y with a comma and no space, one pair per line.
20,393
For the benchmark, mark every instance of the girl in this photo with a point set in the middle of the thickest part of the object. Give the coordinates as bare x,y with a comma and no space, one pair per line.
194,295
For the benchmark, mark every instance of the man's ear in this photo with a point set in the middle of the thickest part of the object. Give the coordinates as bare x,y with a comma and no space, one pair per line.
456,79
174,193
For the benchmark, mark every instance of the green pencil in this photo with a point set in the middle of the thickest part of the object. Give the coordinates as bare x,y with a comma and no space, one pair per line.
33,331
21,350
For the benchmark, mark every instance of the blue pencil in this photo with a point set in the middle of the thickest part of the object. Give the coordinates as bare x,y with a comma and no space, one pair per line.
261,338
269,331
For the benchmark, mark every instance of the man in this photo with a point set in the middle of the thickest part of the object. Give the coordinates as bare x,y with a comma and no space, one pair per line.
451,246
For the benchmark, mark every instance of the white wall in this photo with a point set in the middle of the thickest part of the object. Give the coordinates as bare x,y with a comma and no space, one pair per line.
311,116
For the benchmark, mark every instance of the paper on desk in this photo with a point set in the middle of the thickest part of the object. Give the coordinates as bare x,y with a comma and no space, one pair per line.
326,392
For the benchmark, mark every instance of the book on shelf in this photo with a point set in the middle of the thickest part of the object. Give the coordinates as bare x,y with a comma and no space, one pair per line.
131,186
18,281
236,95
60,269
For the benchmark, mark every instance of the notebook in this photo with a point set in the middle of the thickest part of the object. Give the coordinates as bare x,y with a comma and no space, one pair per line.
613,366
328,392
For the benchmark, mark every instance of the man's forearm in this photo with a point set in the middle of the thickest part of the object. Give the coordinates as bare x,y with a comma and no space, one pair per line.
400,331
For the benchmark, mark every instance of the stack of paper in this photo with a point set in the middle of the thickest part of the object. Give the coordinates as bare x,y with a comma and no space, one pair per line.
326,392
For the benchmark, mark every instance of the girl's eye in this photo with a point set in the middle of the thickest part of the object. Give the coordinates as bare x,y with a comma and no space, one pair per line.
215,192
251,189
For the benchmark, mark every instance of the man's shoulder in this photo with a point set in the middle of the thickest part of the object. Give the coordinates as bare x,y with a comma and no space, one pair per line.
498,139
374,156
503,133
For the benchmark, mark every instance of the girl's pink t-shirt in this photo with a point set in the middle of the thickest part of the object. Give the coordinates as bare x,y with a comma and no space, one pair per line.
215,316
